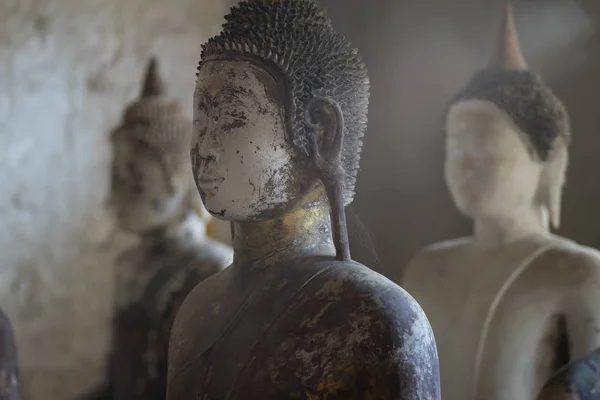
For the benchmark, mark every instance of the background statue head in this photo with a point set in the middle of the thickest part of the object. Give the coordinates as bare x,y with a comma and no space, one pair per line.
275,64
507,139
151,180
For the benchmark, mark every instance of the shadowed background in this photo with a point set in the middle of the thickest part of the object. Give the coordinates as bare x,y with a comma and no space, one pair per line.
68,67
419,55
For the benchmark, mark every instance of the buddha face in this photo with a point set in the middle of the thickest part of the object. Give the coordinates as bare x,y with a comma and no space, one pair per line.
243,166
145,196
488,169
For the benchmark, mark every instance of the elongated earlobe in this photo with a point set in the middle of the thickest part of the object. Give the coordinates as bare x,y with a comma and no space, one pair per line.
552,183
324,116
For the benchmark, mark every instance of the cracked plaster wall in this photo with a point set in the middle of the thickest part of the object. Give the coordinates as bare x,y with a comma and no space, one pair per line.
67,68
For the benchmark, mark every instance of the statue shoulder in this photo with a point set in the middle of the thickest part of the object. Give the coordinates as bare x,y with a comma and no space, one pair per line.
129,257
432,256
571,262
441,250
220,252
206,258
383,328
396,315
369,294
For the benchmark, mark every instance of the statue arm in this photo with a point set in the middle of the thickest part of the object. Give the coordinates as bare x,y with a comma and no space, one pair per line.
579,380
415,276
581,377
410,275
582,305
408,366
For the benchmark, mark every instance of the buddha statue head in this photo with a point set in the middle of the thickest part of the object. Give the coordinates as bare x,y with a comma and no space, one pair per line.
507,137
152,184
280,110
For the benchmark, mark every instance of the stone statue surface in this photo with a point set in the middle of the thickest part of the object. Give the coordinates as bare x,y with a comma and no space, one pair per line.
9,362
154,197
579,380
280,109
513,303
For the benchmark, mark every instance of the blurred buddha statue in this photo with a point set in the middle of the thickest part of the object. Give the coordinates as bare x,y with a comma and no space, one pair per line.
280,109
154,197
513,303
9,366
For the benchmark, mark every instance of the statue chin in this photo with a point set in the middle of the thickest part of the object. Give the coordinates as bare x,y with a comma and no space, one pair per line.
248,205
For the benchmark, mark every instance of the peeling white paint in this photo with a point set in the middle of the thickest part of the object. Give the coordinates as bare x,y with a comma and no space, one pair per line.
244,160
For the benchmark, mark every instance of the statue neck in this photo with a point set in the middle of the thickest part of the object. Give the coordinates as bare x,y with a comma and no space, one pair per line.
303,231
503,230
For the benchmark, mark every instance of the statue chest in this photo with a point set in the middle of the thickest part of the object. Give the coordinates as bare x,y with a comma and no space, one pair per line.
240,319
143,323
473,310
292,338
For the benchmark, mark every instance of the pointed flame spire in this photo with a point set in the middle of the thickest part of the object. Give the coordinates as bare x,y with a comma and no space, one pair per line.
507,54
153,84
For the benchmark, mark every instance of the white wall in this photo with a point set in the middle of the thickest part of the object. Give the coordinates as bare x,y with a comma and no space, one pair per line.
67,68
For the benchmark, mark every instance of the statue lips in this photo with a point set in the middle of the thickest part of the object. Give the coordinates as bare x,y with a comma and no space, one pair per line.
209,185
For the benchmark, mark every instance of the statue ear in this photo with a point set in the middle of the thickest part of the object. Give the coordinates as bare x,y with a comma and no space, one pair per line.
325,117
552,182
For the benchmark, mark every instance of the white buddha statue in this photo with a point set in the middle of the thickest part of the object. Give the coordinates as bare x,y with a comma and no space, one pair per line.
512,303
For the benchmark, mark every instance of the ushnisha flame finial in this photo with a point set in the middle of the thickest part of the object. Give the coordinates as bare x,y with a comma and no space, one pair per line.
153,84
507,54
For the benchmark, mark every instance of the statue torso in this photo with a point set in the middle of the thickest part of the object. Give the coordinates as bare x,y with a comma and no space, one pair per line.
152,282
495,315
310,329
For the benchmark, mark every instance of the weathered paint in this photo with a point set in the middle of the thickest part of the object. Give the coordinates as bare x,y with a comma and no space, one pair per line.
240,156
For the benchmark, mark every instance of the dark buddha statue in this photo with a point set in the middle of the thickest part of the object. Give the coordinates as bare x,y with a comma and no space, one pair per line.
280,110
578,380
154,197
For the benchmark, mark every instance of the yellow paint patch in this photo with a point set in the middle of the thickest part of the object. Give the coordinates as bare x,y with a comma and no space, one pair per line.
210,229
